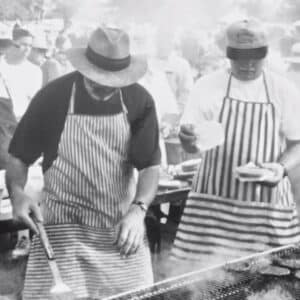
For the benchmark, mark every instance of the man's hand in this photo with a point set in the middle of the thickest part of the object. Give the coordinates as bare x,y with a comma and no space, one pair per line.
188,138
26,210
130,231
278,173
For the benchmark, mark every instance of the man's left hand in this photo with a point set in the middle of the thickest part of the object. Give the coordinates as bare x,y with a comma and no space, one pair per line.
278,173
130,231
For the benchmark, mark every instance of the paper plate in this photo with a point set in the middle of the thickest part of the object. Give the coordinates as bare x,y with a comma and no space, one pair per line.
210,134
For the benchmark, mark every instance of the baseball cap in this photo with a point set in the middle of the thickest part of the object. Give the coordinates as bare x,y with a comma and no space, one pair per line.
246,39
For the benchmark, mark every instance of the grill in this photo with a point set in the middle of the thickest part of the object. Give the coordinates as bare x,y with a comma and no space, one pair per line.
242,279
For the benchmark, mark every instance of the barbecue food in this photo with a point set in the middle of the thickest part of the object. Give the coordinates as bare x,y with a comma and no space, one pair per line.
290,263
297,274
276,293
274,271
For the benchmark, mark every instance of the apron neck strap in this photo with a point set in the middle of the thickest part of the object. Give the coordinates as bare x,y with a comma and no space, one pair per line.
264,82
124,108
228,85
72,101
266,88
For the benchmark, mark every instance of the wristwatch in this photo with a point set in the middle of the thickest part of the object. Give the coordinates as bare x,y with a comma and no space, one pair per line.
141,204
285,173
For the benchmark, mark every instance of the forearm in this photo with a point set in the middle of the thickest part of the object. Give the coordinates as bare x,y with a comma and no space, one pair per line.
147,185
291,157
16,176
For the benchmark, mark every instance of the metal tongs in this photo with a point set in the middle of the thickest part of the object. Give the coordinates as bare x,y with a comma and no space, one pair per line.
59,290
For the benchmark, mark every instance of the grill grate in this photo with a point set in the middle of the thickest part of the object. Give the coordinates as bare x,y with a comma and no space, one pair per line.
242,280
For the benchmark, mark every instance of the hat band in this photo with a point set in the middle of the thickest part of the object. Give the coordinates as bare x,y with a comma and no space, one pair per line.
105,63
255,53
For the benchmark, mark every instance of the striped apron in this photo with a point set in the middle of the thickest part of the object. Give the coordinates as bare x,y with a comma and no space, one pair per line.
225,218
88,189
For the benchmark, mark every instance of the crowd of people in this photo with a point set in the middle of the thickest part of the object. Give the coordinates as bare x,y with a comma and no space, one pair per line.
101,117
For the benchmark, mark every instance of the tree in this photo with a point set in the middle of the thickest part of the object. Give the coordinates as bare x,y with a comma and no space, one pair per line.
15,9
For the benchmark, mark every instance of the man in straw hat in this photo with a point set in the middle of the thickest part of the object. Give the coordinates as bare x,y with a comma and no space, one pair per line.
228,216
93,127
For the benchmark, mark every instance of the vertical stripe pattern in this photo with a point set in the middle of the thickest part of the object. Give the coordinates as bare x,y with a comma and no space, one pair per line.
229,218
88,190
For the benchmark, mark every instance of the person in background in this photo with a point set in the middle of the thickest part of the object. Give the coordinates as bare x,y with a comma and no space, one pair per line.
156,82
225,218
193,51
8,120
58,65
94,127
23,78
176,68
62,44
8,124
293,70
38,54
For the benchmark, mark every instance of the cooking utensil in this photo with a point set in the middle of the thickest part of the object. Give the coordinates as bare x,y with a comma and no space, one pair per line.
59,290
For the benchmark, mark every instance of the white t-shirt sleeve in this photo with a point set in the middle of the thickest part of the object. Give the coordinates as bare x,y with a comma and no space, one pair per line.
290,124
205,100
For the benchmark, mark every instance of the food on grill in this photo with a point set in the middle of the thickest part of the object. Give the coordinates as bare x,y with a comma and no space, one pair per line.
297,274
276,293
240,267
215,284
290,263
274,271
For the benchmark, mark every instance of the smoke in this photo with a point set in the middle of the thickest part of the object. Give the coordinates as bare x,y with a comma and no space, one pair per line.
275,293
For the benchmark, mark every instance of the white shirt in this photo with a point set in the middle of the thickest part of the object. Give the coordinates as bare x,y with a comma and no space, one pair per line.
156,82
180,77
23,81
209,91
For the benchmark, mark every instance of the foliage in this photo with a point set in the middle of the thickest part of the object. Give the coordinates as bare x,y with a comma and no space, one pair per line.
15,9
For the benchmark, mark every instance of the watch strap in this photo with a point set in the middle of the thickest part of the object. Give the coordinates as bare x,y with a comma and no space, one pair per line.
141,204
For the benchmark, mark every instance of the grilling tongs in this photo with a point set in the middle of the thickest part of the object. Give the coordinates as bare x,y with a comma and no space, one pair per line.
59,290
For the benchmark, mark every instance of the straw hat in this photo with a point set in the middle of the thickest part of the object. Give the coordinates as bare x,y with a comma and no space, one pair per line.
107,59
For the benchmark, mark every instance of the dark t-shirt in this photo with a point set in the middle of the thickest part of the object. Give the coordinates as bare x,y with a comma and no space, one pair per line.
39,131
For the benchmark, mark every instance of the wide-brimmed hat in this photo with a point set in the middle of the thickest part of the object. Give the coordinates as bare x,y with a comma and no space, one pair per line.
107,59
295,51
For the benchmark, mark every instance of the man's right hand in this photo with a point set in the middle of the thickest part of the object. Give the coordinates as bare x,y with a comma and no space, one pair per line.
188,138
26,210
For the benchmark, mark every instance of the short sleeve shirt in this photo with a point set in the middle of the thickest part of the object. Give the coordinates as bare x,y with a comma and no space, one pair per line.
38,133
207,96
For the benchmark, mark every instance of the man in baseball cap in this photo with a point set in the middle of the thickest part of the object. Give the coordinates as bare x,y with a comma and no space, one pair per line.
258,111
92,127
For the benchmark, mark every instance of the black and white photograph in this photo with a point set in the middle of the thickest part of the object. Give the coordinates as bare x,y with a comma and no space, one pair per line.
149,150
